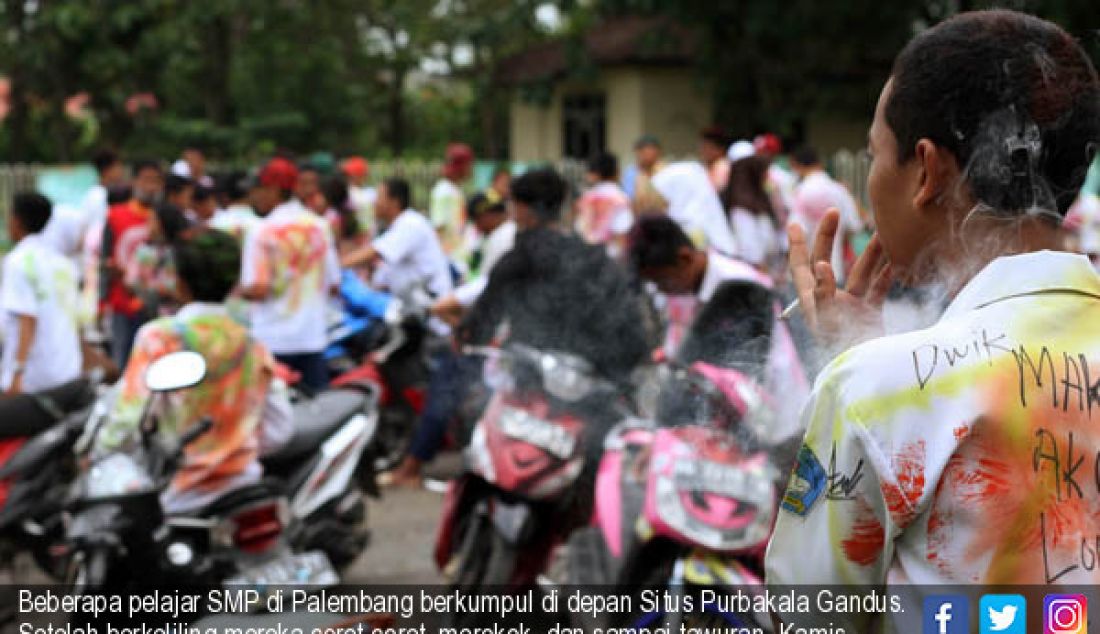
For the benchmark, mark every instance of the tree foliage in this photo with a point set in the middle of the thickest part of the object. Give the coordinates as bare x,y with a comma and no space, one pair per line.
770,64
243,77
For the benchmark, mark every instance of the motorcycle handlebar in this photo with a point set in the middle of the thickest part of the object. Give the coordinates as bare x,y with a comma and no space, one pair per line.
191,435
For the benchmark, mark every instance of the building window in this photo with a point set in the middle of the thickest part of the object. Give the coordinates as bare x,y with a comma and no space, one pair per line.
584,124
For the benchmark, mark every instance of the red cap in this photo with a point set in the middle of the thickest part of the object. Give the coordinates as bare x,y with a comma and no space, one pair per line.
355,166
767,144
459,154
280,173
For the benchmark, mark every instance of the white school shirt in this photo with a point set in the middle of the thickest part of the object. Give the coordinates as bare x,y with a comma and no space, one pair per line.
236,220
411,254
962,453
39,282
694,205
95,205
813,197
756,235
497,243
65,232
292,250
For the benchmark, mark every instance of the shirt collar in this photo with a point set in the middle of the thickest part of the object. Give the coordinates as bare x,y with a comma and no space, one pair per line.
289,208
1026,274
31,240
201,309
721,268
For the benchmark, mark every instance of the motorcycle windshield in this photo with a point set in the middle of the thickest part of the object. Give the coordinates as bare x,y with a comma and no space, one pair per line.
115,475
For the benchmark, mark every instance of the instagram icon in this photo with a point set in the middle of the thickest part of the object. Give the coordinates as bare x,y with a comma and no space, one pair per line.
1065,614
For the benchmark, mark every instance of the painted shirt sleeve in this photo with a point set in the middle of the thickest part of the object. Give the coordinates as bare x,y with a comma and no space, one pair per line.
255,264
834,524
17,290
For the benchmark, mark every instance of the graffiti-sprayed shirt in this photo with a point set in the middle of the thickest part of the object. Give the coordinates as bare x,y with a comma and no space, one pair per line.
236,220
248,407
603,215
292,251
964,453
447,210
39,282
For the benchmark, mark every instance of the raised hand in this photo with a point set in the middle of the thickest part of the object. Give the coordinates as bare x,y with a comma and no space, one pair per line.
838,317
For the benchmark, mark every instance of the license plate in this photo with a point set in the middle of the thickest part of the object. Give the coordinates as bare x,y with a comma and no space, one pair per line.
312,568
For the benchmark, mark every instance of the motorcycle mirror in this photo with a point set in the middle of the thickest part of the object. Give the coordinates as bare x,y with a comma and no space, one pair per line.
175,371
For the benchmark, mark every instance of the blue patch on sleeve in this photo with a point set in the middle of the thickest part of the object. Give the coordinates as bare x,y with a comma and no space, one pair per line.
807,483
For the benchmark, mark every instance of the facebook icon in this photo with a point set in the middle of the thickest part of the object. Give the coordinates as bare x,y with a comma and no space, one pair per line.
946,615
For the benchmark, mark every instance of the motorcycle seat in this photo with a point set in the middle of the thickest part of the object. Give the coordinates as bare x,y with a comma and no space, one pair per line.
315,419
239,497
30,414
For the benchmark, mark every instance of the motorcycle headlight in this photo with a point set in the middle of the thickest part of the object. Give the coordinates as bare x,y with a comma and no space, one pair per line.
564,380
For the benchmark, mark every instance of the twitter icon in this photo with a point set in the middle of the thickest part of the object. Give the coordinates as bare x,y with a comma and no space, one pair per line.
1003,614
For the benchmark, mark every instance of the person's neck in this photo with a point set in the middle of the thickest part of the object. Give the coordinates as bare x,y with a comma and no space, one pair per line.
979,240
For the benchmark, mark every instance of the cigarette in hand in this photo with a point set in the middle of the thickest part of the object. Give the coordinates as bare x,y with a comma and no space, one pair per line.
789,310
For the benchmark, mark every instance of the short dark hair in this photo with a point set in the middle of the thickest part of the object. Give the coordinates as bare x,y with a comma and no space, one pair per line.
398,188
103,159
202,192
141,165
208,262
605,165
656,241
1012,96
335,190
233,185
174,184
647,140
33,211
715,134
806,156
541,189
172,221
119,194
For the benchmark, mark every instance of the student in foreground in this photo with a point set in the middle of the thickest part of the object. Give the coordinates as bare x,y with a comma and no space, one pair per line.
942,456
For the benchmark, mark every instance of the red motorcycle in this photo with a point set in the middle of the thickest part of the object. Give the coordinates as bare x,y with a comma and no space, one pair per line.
530,467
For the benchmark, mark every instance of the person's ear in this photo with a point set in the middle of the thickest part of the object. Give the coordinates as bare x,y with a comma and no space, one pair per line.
937,170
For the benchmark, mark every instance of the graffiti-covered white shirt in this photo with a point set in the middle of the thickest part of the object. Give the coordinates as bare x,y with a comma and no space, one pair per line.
40,282
967,452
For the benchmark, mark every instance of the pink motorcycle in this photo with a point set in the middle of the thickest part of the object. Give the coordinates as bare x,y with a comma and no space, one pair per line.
689,502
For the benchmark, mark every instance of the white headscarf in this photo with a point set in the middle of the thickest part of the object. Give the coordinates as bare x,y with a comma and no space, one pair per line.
694,205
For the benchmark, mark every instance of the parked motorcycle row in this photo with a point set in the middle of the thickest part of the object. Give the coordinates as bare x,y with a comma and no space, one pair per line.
570,478
95,521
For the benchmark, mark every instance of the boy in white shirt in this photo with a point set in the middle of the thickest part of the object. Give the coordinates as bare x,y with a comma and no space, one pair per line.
289,267
408,253
38,301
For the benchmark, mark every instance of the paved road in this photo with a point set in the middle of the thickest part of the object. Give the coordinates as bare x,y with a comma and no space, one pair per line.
403,525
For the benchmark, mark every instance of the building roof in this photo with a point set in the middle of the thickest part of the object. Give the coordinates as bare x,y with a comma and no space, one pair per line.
613,42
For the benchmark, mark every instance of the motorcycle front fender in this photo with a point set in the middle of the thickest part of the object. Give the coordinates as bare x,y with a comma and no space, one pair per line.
514,521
